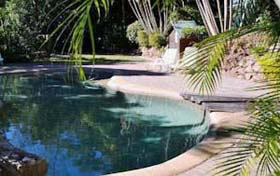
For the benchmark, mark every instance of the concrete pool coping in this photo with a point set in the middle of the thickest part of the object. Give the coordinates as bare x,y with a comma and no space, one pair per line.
208,148
119,84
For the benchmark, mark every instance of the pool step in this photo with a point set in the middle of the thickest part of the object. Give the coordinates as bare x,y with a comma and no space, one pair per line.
219,103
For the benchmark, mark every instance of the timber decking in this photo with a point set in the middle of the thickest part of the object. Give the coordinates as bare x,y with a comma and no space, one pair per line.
219,103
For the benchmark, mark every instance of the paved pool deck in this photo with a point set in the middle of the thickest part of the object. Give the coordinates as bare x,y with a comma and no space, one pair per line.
137,78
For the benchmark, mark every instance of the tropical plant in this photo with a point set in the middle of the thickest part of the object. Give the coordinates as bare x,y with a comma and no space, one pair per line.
78,20
257,152
270,64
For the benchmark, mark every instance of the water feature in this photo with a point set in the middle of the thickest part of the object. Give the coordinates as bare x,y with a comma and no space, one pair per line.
84,130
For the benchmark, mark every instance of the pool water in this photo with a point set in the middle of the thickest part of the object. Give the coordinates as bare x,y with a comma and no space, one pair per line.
88,130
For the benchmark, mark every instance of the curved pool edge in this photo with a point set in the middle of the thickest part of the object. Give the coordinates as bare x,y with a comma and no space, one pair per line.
117,83
199,154
185,161
205,150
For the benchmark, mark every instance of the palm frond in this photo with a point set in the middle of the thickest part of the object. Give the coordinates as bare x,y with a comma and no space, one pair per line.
204,66
79,19
258,151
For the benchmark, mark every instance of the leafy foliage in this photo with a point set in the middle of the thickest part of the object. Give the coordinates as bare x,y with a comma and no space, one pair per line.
78,21
257,151
258,148
132,30
187,12
21,27
156,40
198,32
257,50
211,52
270,64
143,38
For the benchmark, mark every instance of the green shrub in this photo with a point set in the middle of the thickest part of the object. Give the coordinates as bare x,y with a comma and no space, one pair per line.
143,39
156,40
132,30
197,31
270,64
257,51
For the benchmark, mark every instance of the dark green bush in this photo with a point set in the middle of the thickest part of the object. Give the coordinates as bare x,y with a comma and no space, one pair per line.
198,32
156,40
21,27
143,39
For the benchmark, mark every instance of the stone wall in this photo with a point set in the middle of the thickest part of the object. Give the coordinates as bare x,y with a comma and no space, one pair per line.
240,62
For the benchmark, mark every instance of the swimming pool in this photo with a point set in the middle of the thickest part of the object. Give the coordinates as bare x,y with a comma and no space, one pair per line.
89,130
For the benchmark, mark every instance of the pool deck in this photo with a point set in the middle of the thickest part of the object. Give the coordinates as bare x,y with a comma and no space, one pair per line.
136,78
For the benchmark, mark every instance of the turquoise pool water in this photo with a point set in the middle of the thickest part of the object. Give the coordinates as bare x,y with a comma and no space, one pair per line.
86,131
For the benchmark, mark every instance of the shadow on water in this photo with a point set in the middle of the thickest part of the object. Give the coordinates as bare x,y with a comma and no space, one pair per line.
28,68
89,131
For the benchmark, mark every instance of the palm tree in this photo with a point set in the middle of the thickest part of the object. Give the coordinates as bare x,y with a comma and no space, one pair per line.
257,152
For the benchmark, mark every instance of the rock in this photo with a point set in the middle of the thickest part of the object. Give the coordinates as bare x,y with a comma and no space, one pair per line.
240,77
242,63
249,69
20,161
241,71
29,160
15,156
248,76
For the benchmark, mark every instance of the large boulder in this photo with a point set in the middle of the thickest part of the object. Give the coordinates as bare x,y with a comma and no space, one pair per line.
14,161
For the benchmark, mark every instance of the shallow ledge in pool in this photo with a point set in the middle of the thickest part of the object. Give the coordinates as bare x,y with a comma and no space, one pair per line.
118,83
208,148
